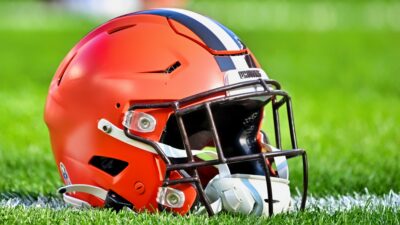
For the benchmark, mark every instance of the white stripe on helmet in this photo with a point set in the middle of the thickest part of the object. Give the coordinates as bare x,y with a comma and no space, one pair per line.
222,35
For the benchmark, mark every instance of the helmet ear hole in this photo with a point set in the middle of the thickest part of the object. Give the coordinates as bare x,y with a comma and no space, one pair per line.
108,165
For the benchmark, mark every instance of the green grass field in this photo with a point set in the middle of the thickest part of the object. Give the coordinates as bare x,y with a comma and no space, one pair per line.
345,87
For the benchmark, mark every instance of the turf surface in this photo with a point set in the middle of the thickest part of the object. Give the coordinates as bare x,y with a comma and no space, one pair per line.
345,89
70,216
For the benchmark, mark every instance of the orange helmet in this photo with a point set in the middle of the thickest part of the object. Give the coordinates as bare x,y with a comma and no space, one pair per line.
162,110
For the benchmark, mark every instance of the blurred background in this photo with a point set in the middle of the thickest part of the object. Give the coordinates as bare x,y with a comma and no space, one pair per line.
339,60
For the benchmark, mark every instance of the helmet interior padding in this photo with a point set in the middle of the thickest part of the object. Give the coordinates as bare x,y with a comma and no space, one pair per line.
237,123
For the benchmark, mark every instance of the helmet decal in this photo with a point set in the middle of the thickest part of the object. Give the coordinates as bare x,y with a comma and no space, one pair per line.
64,174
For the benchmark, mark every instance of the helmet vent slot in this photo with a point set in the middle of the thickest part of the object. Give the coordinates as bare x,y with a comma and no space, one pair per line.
109,165
65,69
173,67
117,29
168,70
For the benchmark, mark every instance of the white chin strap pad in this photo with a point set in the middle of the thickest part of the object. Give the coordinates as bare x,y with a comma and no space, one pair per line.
247,194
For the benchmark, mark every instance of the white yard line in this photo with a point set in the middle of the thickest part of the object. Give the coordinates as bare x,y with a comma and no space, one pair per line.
328,204
13,201
339,203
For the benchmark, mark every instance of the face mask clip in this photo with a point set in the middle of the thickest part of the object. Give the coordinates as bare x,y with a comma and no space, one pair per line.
170,197
139,121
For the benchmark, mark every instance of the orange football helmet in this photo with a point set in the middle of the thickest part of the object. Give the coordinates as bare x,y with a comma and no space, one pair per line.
162,110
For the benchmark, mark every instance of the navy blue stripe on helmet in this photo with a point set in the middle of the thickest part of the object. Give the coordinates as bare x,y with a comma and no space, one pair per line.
206,35
225,63
250,61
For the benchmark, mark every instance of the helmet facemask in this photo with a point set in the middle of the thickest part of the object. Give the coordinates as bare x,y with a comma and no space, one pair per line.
229,126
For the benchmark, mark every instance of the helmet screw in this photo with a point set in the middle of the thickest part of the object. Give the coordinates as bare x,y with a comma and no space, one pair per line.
144,123
107,129
139,187
172,198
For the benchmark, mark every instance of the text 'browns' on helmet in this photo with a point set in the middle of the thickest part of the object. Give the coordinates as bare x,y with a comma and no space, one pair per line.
162,110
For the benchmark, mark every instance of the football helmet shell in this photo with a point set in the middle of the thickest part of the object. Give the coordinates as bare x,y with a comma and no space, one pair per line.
120,103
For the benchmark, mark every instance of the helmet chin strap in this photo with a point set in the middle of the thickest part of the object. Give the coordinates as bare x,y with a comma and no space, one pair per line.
83,188
111,199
